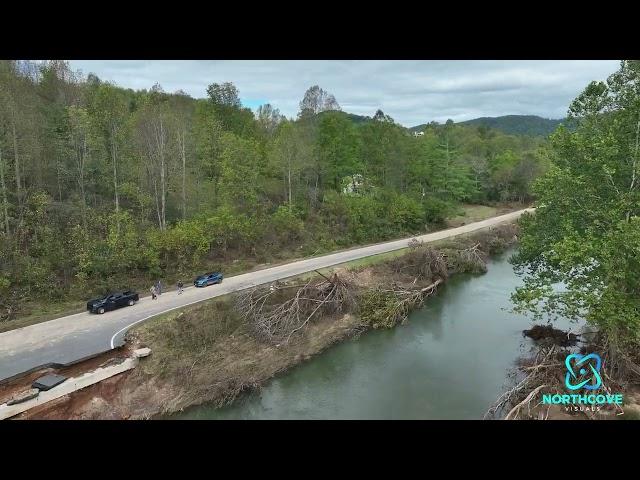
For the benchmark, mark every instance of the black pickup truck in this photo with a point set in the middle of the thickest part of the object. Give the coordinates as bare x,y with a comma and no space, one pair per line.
112,301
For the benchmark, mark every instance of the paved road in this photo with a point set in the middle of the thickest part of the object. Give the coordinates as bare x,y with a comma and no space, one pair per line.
71,338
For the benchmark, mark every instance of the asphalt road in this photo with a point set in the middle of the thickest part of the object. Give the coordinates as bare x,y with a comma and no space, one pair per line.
74,337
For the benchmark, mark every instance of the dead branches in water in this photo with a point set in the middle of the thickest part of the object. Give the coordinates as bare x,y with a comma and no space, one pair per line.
274,314
384,308
522,394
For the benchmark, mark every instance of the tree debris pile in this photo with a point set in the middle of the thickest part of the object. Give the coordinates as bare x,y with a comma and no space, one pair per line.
276,312
543,371
468,260
386,307
497,239
422,263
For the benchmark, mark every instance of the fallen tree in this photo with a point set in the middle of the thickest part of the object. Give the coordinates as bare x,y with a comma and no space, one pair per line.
386,307
272,314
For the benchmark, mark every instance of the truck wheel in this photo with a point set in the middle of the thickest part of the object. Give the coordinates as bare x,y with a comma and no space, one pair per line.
101,311
131,302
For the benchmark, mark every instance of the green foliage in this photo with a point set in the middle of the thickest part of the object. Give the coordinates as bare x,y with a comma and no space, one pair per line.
239,173
286,226
379,309
406,214
436,210
338,149
229,229
185,245
586,230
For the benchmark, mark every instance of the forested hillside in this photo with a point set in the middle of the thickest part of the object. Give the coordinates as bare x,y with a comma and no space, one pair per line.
515,124
102,187
519,124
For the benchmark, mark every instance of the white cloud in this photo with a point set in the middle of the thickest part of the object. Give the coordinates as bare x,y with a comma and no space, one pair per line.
412,92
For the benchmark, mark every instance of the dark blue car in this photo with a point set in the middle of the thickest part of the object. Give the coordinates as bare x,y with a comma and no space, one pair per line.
208,279
112,301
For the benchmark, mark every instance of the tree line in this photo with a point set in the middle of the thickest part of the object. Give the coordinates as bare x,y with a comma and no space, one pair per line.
100,184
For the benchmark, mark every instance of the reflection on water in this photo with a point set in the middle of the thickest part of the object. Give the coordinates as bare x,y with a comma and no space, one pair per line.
450,361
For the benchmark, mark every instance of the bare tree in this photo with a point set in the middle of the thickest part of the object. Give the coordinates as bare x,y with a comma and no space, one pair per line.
317,100
154,138
5,203
108,110
79,141
183,125
291,155
269,117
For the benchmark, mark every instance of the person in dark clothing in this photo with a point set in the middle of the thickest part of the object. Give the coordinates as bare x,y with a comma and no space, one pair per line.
180,285
159,287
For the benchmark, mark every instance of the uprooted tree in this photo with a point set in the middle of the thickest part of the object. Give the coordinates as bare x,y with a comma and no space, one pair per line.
273,313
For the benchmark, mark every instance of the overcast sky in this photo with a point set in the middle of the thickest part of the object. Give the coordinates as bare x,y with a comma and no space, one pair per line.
412,92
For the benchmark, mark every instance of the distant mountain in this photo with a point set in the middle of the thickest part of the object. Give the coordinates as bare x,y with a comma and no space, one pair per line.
514,124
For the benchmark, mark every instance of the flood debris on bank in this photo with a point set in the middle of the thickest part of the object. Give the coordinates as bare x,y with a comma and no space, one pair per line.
543,373
216,351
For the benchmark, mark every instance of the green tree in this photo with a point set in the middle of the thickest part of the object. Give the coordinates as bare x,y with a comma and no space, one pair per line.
338,149
240,171
586,232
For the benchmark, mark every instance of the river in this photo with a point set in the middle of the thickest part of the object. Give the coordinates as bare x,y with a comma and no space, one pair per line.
449,361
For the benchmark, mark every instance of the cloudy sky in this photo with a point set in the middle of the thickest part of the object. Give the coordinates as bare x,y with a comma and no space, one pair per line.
412,92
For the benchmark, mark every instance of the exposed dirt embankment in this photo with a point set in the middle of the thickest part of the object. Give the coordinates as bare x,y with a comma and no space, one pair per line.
215,351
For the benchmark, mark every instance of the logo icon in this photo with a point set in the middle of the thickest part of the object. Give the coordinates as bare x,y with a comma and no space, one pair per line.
588,376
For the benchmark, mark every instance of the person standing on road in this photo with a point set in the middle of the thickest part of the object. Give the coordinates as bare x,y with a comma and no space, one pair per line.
180,285
159,287
153,292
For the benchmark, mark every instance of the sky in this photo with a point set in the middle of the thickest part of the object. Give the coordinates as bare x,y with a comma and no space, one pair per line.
411,92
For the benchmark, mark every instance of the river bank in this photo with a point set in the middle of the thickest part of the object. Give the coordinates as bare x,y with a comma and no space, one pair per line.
212,354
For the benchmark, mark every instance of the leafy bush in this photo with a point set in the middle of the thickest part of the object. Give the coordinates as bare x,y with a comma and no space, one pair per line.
436,210
285,225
